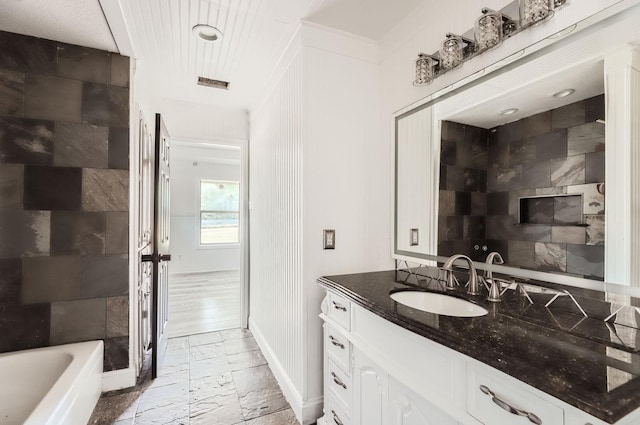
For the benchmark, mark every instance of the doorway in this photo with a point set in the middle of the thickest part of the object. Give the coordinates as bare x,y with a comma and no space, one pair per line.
209,233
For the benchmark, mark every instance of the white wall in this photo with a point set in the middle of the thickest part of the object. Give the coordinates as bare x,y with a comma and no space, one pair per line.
213,164
319,160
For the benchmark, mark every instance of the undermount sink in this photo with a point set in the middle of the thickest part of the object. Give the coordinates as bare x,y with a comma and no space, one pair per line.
438,303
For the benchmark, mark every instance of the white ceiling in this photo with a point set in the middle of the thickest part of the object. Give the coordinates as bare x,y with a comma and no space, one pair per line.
78,22
367,18
500,93
158,33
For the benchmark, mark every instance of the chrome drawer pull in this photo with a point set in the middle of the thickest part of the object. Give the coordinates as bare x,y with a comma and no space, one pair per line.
506,406
335,342
336,419
338,306
338,381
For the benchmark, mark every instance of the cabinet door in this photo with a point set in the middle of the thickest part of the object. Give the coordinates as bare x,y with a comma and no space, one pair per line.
370,383
407,408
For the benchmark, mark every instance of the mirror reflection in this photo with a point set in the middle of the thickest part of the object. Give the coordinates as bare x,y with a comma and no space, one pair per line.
532,189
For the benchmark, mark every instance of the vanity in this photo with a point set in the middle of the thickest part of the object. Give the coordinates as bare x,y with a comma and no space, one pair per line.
501,159
521,363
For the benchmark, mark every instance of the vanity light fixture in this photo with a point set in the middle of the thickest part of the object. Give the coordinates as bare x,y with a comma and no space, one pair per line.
509,111
207,32
564,93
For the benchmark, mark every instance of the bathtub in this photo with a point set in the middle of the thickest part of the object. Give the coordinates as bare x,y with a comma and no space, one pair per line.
53,385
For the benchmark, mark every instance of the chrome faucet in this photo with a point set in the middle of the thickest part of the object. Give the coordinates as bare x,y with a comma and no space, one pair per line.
473,276
488,274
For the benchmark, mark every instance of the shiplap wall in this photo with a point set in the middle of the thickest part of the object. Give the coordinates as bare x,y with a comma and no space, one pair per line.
276,296
319,160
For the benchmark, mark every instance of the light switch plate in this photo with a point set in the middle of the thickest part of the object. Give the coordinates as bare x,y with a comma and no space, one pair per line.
329,238
413,238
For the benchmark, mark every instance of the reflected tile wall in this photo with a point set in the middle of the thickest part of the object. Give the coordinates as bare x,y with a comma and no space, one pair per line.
556,152
64,161
463,195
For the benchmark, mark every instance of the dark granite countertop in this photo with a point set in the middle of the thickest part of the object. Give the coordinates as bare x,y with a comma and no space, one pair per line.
572,358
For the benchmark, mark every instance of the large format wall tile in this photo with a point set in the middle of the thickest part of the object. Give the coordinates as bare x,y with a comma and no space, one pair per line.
10,280
52,98
567,210
64,115
24,326
595,229
27,54
119,148
550,257
119,70
586,138
77,233
24,233
11,93
83,63
568,116
81,145
80,320
105,276
117,236
568,171
586,260
116,355
117,317
521,253
594,167
551,145
569,234
26,141
537,124
592,198
11,186
47,279
105,190
52,188
106,105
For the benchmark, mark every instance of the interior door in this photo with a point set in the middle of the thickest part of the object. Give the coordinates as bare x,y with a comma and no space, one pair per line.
144,242
160,257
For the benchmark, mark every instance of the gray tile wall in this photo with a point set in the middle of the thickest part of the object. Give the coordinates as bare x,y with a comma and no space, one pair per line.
64,196
463,190
554,152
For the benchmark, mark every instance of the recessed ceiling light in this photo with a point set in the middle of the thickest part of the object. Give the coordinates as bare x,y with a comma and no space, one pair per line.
564,93
509,111
207,32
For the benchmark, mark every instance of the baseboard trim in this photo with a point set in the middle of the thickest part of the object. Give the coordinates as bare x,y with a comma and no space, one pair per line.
307,412
118,379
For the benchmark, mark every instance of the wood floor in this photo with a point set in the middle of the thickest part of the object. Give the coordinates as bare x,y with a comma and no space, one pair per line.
203,302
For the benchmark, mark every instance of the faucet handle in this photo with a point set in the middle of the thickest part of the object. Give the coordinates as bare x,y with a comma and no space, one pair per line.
495,290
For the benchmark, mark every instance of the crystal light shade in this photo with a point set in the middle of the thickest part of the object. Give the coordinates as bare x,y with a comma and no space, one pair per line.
532,11
488,29
424,70
451,52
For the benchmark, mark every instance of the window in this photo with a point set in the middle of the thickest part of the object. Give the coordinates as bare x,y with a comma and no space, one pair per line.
219,212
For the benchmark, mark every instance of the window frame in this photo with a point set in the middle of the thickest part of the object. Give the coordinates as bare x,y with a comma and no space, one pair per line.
217,245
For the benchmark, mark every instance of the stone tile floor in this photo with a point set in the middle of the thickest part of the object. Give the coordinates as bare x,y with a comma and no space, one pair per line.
216,378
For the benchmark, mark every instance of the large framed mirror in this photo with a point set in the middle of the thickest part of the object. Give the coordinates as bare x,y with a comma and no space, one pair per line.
533,159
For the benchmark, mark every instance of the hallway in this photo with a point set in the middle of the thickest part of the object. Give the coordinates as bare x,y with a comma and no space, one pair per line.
203,302
217,378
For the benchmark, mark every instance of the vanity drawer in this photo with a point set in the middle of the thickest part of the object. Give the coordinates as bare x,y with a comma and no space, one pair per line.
338,347
489,399
335,415
339,384
339,310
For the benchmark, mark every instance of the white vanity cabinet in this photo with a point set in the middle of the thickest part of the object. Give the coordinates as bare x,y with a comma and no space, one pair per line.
378,373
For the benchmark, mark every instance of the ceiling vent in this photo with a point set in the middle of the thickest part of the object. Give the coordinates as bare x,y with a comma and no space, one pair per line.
216,84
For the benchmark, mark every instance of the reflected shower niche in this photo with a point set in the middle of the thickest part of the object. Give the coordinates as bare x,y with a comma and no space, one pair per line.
532,190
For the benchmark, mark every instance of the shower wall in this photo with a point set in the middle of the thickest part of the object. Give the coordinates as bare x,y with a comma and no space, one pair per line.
64,196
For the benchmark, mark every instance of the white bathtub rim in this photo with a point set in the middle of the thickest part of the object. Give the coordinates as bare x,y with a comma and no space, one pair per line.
85,356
